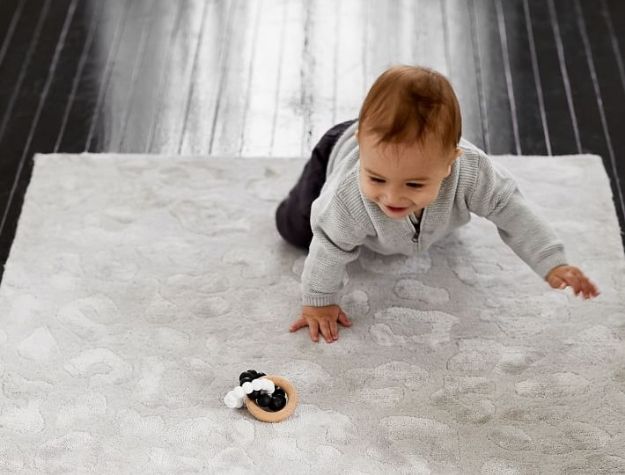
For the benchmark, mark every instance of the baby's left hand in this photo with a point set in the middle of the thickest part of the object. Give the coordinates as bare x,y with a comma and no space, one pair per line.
562,276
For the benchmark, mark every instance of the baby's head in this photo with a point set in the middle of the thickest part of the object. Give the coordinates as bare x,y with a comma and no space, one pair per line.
408,134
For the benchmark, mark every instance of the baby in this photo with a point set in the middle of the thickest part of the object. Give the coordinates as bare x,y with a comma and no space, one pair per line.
396,180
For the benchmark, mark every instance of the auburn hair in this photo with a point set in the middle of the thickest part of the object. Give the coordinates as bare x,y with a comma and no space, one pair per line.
407,102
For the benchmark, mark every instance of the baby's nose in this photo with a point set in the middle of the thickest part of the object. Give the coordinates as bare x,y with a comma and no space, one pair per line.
395,199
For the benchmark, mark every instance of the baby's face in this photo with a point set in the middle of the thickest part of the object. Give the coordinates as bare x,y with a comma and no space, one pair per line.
403,179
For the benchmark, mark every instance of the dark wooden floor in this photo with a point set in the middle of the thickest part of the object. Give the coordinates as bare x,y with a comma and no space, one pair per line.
268,77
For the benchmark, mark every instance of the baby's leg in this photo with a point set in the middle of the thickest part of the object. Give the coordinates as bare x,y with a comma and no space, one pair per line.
293,213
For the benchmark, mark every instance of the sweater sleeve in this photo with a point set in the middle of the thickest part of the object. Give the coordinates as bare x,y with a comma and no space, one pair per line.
496,197
336,241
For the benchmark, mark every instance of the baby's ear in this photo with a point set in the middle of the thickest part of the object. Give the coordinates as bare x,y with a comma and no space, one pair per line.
457,154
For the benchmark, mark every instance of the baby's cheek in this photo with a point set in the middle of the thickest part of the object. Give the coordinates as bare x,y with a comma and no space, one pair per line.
430,196
369,193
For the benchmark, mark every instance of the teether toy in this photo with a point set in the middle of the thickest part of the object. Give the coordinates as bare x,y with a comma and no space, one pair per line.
268,398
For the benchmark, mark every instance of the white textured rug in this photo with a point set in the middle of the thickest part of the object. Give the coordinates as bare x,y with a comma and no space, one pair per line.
139,287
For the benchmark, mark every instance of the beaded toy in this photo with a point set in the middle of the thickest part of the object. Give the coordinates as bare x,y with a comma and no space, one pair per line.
268,398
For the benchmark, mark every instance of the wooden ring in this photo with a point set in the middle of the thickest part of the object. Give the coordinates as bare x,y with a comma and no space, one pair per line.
266,416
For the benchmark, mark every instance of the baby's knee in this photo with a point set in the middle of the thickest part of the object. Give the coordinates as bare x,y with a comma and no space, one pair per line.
295,233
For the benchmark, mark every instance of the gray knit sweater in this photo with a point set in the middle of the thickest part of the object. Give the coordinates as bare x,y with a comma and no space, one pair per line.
343,220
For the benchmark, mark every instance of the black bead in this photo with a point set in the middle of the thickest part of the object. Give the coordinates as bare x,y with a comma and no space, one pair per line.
277,403
253,373
245,380
254,394
244,374
279,392
263,400
261,374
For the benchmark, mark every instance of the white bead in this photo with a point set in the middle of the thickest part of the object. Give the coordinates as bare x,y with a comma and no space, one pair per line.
238,403
268,386
230,400
257,384
238,391
247,387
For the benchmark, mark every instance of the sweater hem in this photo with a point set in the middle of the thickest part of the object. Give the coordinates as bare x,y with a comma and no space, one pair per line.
545,265
319,300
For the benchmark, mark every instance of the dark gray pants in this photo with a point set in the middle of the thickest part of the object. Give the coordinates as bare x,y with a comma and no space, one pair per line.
293,213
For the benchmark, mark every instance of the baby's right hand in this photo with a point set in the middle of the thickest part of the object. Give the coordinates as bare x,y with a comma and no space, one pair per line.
321,318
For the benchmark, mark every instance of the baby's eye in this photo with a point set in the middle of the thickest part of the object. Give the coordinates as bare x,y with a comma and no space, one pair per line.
414,185
376,180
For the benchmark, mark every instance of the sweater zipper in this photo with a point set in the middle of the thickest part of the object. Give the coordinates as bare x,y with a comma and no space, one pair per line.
417,231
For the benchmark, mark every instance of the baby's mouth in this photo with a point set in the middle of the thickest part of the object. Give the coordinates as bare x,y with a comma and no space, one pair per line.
395,209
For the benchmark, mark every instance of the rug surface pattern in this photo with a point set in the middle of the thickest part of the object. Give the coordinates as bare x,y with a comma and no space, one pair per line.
139,287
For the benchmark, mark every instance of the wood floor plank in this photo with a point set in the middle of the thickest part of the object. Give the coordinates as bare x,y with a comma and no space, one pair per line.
207,81
430,44
226,138
541,112
404,13
163,75
351,86
62,66
134,47
259,128
10,14
553,74
107,46
564,36
17,67
458,35
177,100
112,117
71,104
578,77
320,70
613,13
379,43
157,25
524,81
288,123
496,92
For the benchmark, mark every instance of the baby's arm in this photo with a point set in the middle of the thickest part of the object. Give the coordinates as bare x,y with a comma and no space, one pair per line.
336,242
496,196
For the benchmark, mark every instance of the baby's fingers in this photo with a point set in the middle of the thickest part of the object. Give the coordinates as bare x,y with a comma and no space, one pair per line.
313,329
580,285
334,330
296,325
343,320
325,330
570,278
557,283
590,290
